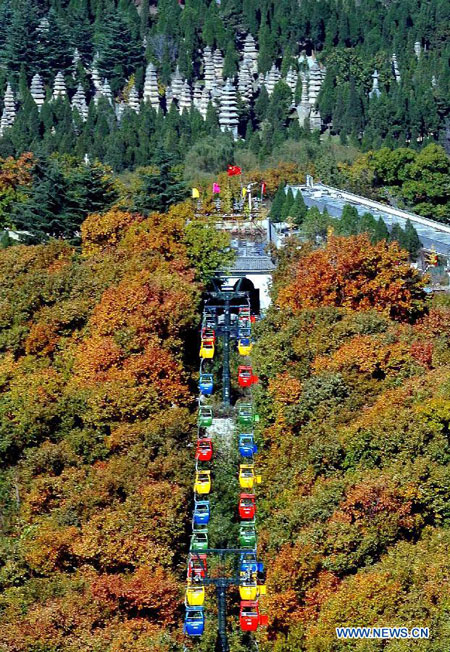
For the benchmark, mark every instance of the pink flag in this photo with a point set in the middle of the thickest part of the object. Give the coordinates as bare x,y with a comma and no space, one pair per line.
216,188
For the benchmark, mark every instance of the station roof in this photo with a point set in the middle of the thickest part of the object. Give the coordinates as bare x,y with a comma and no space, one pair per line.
431,236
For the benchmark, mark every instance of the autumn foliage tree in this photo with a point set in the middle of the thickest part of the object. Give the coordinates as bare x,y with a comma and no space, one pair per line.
95,418
354,274
354,369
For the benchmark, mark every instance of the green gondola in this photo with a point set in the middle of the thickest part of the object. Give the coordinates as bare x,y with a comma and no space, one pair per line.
247,535
199,541
205,416
246,415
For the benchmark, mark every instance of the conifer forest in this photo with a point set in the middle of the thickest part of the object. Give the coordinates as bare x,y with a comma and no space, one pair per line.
224,325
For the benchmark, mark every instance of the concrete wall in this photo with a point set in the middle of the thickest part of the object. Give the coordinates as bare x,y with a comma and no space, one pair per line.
260,282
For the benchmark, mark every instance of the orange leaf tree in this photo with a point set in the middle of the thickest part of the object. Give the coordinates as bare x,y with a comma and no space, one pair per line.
356,275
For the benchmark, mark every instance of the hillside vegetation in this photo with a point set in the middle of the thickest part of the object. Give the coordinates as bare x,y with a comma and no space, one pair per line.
354,371
96,418
96,415
118,39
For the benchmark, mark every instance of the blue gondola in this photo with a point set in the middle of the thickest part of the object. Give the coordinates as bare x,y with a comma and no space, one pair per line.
247,446
194,621
249,564
201,512
206,384
244,332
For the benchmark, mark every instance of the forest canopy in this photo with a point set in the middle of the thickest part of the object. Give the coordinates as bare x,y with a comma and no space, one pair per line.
88,42
96,415
354,422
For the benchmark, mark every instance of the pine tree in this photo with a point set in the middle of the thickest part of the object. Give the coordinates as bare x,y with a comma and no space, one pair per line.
209,26
287,205
353,119
327,97
412,241
19,47
262,104
381,231
81,32
279,107
299,209
211,120
144,16
367,224
53,52
160,190
230,60
349,222
316,224
105,123
249,9
61,197
5,22
397,234
43,213
119,48
277,204
266,48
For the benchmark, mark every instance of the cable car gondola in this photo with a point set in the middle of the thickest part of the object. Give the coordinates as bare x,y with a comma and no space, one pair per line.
199,540
201,512
202,484
207,349
197,566
247,506
249,617
204,450
194,621
251,590
246,416
245,346
195,595
247,446
247,477
205,416
247,535
250,568
246,377
206,384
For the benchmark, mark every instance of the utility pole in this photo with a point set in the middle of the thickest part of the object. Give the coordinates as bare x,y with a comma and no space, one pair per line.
222,615
226,394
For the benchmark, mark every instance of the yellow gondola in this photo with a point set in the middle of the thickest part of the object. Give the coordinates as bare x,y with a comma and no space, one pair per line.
195,595
207,349
251,590
202,484
247,477
245,346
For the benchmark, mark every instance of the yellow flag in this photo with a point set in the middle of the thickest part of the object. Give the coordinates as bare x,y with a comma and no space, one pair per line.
244,191
195,193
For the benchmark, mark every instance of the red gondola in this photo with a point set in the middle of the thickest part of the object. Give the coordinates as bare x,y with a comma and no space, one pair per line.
208,334
246,378
249,617
247,506
204,450
197,566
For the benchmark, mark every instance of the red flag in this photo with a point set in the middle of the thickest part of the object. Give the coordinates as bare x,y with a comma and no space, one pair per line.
233,170
263,188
